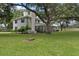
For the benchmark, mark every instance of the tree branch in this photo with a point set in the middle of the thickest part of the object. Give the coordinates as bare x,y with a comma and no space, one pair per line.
47,13
25,6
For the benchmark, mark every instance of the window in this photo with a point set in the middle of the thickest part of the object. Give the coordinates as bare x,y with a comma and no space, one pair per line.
28,13
22,20
15,21
38,21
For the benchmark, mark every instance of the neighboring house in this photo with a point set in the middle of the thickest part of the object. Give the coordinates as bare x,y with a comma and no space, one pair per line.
73,22
2,27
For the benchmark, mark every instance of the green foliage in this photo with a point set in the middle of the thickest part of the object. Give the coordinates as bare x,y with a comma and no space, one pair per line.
17,13
68,10
5,13
27,27
23,29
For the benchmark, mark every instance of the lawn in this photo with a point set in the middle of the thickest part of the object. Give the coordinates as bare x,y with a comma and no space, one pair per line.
56,44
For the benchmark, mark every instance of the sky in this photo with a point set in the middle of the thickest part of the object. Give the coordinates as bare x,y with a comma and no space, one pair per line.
19,7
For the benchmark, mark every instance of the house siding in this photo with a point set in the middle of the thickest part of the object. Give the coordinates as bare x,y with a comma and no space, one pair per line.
30,21
19,24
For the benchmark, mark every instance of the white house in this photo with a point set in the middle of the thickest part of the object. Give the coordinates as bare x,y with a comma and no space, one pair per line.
28,18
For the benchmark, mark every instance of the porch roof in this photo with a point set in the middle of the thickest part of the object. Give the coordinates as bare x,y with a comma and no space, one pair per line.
22,17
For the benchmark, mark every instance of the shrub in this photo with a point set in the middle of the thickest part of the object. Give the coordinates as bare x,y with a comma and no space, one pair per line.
23,29
27,27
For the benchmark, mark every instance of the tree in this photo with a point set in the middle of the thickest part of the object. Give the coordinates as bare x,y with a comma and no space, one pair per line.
5,13
17,13
67,11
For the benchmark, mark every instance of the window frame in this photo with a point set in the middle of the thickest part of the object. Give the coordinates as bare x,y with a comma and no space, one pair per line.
16,22
22,20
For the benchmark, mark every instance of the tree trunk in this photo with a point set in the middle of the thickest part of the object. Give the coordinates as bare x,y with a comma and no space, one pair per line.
5,24
61,26
48,28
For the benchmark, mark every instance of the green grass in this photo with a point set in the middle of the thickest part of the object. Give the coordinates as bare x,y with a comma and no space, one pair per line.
56,44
